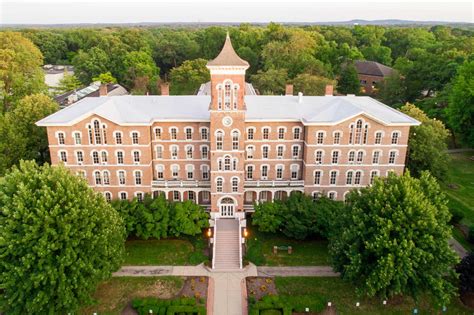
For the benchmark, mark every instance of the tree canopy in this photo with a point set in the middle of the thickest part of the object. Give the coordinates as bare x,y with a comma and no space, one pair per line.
187,78
59,239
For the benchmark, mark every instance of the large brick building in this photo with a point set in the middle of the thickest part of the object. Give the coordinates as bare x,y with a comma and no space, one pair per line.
228,149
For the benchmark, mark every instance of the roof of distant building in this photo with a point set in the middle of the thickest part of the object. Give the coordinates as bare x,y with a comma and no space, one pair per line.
205,89
54,69
372,68
92,90
228,56
144,110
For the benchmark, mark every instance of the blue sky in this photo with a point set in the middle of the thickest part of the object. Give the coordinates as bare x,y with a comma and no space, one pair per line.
121,11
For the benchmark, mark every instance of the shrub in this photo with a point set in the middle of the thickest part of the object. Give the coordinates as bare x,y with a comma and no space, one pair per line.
466,274
456,216
470,237
183,305
254,252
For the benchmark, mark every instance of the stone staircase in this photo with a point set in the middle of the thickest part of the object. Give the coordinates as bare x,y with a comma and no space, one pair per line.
227,251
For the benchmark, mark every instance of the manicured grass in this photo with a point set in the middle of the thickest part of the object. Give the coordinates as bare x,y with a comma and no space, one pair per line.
461,173
305,253
343,297
164,252
113,295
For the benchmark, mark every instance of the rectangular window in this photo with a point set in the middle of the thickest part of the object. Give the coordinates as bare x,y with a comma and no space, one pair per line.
264,171
135,137
317,178
118,138
61,138
332,195
279,172
63,156
219,140
138,178
204,153
296,133
123,196
296,152
206,195
333,177
249,172
174,152
264,152
121,175
280,150
189,134
378,138
391,158
204,134
136,156
139,196
157,133
77,138
266,132
281,133
319,157
175,172
337,138
174,133
250,151
320,137
80,157
176,196
250,134
205,173
189,152
119,157
376,157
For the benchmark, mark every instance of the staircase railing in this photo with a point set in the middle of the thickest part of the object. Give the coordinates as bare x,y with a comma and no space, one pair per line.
240,243
214,244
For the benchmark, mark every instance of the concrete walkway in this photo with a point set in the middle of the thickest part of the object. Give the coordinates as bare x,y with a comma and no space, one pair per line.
313,271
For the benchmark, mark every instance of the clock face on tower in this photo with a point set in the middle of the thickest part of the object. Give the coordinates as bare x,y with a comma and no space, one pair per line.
227,121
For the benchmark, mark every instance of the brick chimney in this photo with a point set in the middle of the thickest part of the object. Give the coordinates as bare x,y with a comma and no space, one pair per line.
289,89
329,90
103,90
165,88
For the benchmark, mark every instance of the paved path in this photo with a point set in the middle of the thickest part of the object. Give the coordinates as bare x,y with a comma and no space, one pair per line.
313,271
458,248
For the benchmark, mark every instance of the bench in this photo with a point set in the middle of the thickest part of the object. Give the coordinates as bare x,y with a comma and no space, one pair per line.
287,248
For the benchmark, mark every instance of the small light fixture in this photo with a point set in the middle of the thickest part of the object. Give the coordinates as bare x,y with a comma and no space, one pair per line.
246,233
357,304
444,308
329,304
384,302
415,311
306,310
150,311
209,233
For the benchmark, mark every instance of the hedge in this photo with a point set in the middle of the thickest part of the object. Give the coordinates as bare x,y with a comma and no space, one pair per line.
182,305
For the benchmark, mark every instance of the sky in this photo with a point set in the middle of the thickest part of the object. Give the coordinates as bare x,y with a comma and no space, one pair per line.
129,11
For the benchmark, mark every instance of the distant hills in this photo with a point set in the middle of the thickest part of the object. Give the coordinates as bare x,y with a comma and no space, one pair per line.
391,22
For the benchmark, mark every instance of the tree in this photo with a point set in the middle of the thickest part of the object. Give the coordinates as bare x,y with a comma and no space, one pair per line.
392,90
394,239
187,78
152,217
90,63
427,144
52,45
270,82
59,240
20,138
268,216
348,82
311,84
379,53
188,218
139,65
69,82
105,78
20,69
460,110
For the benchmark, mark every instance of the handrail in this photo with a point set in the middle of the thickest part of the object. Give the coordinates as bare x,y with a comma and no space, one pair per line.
240,244
214,244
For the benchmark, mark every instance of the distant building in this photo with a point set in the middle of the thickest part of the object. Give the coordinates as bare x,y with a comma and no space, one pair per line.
370,73
93,90
54,73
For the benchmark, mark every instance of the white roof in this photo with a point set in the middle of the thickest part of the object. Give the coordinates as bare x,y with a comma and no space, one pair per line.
144,110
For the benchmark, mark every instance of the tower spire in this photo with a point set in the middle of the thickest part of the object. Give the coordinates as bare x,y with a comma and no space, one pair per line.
228,56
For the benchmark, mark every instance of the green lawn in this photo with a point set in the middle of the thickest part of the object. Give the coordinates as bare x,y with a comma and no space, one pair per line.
344,298
165,252
113,295
305,253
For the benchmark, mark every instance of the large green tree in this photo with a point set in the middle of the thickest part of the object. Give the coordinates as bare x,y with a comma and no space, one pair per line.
392,90
20,138
460,110
69,82
20,69
427,144
312,84
270,82
90,63
348,82
187,78
59,238
392,238
141,71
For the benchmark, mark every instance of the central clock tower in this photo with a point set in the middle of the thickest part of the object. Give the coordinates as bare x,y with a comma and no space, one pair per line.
227,132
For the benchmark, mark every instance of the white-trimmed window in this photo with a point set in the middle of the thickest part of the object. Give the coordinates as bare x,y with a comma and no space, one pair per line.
205,172
158,132
119,157
337,137
360,157
264,172
250,172
97,178
332,177
349,176
175,171
235,97
317,177
351,156
219,140
235,140
250,133
250,152
373,174
358,132
235,184
295,170
136,157
296,133
351,133
61,138
316,195
265,149
174,152
265,133
139,196
121,177
366,133
159,151
391,157
395,137
332,195
174,133
279,171
219,96
357,177
227,163
106,177
160,171
281,133
320,137
204,134
95,157
335,157
378,137
118,137
190,172
81,173
219,184
318,155
189,152
295,151
191,196
135,137
189,133
104,157
123,195
63,156
77,137
376,157
227,94
204,152
206,195
79,157
176,196
138,177
280,151
108,196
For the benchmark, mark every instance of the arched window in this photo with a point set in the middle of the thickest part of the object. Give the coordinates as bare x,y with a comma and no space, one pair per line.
264,171
118,137
319,157
227,163
357,178
119,157
235,96
173,133
104,156
235,140
108,196
378,137
335,157
227,95
77,138
159,151
219,184
250,172
135,137
138,177
219,96
160,170
205,172
174,152
360,156
97,177
317,177
358,133
189,171
61,138
63,156
366,133
373,174
351,157
97,132
189,151
95,157
295,171
235,184
395,136
250,152
175,171
279,171
219,139
349,178
121,176
106,177
136,157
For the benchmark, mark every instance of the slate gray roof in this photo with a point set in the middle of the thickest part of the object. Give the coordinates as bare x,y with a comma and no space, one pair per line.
372,68
228,56
143,110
